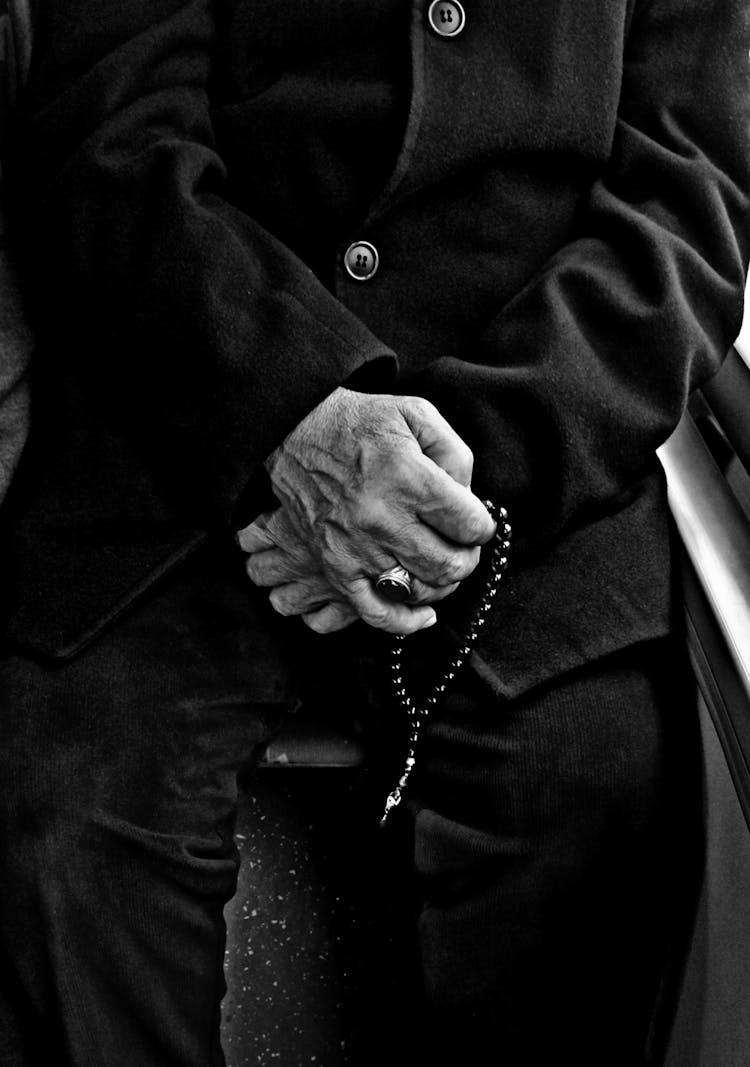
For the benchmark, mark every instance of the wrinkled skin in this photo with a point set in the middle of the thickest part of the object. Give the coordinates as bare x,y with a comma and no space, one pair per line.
365,482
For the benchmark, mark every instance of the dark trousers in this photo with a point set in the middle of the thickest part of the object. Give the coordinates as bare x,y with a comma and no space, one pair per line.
548,840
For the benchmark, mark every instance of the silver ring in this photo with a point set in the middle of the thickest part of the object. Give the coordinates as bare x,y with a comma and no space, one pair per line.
395,584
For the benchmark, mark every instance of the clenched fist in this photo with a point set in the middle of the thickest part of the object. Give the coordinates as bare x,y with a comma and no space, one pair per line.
366,482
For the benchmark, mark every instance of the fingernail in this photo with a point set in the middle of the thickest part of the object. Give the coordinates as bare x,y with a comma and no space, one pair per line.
430,622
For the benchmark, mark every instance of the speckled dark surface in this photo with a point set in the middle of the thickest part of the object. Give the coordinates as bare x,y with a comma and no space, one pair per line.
318,961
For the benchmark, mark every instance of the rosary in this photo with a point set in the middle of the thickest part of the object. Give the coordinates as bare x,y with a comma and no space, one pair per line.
418,714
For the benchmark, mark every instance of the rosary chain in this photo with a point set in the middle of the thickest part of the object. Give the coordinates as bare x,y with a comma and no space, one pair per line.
416,713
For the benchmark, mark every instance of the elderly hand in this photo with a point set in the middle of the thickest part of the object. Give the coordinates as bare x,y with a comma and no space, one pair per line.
367,482
279,561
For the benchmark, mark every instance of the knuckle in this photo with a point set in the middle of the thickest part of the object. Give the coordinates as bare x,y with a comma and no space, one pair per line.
422,407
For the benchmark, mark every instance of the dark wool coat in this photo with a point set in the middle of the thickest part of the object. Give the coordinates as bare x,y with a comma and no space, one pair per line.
563,241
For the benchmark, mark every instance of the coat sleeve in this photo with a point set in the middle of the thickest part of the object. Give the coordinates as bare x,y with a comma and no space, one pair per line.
200,334
587,370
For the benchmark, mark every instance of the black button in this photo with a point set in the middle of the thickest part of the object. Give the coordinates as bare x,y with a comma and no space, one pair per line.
361,260
446,17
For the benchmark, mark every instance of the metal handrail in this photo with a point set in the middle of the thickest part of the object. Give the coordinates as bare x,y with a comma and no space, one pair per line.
728,394
716,534
742,344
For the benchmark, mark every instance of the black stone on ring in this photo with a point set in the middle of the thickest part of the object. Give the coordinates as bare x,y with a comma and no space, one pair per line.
395,584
